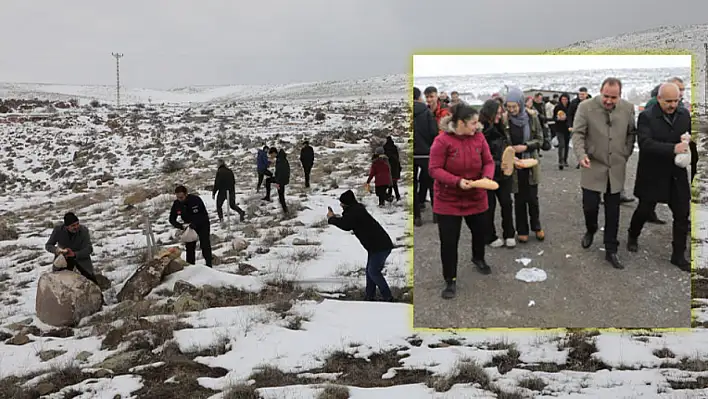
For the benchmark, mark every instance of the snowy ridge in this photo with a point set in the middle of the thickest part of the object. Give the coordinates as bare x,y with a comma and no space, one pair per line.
393,86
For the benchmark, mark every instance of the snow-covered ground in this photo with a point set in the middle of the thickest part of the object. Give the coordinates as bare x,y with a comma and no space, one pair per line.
248,331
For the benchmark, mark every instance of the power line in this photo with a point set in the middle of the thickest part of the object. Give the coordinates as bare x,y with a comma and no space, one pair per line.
117,56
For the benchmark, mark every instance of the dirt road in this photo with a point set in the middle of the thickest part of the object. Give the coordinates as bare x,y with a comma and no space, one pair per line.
582,290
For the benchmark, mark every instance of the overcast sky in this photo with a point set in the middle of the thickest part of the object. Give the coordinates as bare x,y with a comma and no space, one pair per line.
174,43
456,65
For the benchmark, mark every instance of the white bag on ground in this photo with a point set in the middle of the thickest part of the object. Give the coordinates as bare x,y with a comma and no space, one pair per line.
59,263
189,235
531,275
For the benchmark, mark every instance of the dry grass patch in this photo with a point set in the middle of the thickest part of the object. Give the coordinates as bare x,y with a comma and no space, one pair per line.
142,333
302,255
8,231
664,353
334,392
506,362
320,224
241,391
699,286
533,383
466,371
695,364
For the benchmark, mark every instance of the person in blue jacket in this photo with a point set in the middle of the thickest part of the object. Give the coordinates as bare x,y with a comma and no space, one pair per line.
262,164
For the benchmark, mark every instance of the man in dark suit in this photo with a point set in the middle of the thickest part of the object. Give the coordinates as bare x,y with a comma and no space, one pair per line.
659,179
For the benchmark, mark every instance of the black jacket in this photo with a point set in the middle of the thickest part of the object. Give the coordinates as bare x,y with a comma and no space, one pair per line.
572,109
225,180
79,242
498,140
372,236
560,126
425,129
657,176
394,161
282,169
192,211
541,111
307,156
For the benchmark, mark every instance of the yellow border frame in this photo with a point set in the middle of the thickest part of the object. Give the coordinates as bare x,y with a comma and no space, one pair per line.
606,51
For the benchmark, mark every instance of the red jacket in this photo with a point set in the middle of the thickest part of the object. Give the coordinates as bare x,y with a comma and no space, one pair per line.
381,172
452,158
440,113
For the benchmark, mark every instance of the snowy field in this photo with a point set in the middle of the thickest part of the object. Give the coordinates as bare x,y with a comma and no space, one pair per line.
285,317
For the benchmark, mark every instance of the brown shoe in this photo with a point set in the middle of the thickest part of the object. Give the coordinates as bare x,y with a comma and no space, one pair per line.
523,239
540,235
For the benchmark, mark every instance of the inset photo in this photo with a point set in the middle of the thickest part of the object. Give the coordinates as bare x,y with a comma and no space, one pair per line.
552,190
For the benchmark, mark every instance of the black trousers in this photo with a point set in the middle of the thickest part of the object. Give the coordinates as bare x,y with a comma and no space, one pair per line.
261,175
526,204
221,197
591,209
503,195
72,265
281,193
307,169
680,205
421,184
393,189
382,194
449,229
563,147
204,233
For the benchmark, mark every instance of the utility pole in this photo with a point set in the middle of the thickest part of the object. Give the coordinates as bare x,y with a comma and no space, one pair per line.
704,103
118,56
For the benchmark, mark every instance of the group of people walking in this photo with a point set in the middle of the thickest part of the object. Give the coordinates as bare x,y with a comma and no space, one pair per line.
458,146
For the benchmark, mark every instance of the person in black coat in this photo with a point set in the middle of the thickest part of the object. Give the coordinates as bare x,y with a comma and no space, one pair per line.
195,216
573,107
394,161
373,238
659,180
307,159
425,129
281,178
73,241
498,140
225,186
560,125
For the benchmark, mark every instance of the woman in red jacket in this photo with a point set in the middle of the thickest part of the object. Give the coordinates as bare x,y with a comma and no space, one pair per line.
381,173
457,158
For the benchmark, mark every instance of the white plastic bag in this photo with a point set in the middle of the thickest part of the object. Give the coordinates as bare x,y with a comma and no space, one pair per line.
59,263
554,141
683,160
189,235
531,275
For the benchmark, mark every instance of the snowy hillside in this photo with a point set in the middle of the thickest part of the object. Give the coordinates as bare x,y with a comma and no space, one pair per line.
284,317
391,87
689,37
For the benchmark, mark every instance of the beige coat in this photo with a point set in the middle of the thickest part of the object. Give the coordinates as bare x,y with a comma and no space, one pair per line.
607,138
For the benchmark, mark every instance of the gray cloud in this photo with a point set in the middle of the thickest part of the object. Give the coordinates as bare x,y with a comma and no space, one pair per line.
185,42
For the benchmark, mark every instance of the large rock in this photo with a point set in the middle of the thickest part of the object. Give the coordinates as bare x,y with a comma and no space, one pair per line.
148,276
65,297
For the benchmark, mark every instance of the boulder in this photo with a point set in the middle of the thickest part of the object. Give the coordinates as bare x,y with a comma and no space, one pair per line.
239,244
65,297
174,266
144,280
150,275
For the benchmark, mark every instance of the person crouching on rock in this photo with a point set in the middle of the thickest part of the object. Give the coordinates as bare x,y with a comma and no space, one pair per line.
73,241
372,237
194,215
380,172
458,157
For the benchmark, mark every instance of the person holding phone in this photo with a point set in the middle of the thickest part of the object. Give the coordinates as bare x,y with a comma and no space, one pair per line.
373,238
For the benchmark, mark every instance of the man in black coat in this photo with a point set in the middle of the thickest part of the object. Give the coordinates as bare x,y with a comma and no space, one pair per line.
72,239
425,129
225,186
195,216
307,159
372,237
281,178
659,180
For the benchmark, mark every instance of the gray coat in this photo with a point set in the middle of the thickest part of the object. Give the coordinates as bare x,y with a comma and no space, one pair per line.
607,138
80,243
